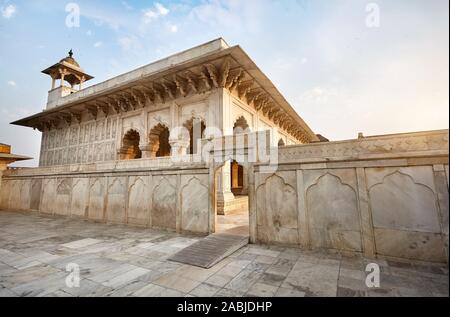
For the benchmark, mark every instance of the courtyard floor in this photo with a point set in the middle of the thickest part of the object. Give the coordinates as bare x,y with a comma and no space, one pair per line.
235,223
123,261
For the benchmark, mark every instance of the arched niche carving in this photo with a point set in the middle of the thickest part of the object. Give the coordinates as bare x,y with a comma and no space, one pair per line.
395,207
277,216
333,216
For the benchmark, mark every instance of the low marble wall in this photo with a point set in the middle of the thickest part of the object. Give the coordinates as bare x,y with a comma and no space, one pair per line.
382,196
145,193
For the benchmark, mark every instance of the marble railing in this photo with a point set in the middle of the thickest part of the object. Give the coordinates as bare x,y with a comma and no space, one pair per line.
161,163
418,144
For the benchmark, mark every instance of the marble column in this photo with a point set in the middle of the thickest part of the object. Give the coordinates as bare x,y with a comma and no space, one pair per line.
149,150
224,193
146,151
179,147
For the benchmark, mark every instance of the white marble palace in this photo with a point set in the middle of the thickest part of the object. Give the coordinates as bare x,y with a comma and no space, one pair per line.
209,89
109,154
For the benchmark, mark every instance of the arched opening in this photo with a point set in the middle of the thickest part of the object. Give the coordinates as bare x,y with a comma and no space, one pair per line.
234,219
159,141
241,126
238,186
281,142
196,128
130,146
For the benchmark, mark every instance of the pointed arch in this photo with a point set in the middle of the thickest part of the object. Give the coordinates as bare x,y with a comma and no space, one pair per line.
130,146
241,126
159,141
400,202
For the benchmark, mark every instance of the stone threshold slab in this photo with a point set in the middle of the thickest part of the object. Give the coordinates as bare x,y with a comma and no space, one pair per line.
211,250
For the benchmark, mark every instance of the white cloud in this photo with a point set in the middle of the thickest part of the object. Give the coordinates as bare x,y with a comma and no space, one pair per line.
161,9
127,5
288,63
173,28
98,44
319,96
12,83
8,11
155,13
129,43
104,16
232,14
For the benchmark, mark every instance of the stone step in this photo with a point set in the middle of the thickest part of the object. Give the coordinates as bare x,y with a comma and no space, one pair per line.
240,203
211,250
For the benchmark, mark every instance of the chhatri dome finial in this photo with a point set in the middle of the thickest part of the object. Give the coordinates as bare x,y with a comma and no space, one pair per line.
67,70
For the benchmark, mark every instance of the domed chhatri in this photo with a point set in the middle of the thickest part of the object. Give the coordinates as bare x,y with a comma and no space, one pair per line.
67,70
69,59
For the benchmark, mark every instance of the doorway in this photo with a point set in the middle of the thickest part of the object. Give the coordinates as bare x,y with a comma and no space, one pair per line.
235,217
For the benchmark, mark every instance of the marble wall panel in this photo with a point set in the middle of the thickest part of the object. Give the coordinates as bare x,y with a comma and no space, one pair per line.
35,193
159,117
14,197
63,194
117,200
97,196
410,245
194,204
139,207
24,198
403,198
48,195
276,205
4,194
164,202
80,197
332,210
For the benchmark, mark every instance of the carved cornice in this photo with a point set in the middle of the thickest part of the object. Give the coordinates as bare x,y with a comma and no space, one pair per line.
224,72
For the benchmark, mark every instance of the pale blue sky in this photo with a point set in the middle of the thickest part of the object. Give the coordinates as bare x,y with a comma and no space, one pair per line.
341,76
